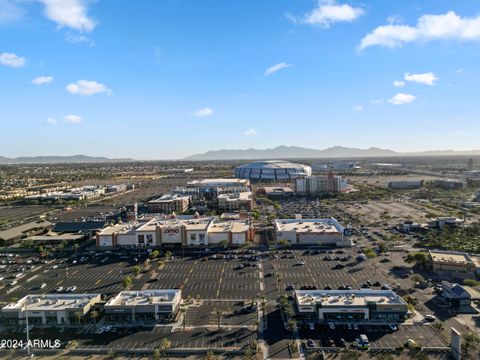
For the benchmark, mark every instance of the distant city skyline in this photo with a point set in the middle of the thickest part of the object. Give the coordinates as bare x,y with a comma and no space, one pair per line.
169,79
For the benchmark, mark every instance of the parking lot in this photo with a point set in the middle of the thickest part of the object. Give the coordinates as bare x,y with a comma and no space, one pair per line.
235,313
209,279
320,272
378,336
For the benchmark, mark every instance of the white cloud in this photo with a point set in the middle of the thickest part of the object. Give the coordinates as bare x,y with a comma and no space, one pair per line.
376,101
428,78
449,26
51,121
398,83
87,87
41,80
250,132
205,112
401,99
73,119
394,19
9,11
12,60
69,13
358,108
78,39
459,71
328,12
277,67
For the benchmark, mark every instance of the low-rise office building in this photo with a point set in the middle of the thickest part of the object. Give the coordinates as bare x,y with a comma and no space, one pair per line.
350,306
233,202
444,222
454,264
49,309
169,203
312,232
455,295
405,184
144,306
448,184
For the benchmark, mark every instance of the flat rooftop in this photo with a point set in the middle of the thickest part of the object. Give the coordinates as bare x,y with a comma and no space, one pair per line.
225,226
347,297
52,302
309,225
144,297
169,198
446,257
120,228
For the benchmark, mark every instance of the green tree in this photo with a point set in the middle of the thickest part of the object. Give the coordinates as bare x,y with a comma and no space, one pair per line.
137,269
382,247
127,281
154,254
419,258
284,243
210,355
94,315
223,244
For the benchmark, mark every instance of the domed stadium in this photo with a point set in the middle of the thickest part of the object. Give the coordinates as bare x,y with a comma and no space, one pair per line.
272,170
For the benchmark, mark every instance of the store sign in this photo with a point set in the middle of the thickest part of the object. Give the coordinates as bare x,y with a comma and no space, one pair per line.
171,231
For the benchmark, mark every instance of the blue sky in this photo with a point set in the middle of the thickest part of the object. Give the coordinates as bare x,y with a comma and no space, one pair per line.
163,79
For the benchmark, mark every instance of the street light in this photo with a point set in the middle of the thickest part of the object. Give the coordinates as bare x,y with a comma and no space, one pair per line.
28,330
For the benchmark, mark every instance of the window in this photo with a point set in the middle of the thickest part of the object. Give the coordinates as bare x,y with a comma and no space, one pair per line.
141,239
149,238
202,237
193,236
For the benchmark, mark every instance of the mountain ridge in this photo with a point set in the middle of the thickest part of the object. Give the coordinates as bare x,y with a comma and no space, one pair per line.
292,152
72,159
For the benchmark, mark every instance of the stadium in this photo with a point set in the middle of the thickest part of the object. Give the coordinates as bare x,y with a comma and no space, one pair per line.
272,170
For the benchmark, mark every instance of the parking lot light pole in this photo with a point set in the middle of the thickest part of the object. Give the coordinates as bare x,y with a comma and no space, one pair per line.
28,330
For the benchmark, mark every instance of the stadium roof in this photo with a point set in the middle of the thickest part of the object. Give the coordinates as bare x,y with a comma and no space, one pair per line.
272,164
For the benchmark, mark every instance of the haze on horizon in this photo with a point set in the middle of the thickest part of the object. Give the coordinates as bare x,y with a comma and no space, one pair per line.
165,80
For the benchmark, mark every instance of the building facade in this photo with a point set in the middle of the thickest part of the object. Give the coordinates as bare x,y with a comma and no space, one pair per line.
169,203
49,309
347,307
146,306
177,231
312,232
315,185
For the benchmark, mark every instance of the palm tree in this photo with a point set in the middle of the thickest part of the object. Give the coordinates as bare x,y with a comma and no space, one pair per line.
94,315
183,310
79,317
219,314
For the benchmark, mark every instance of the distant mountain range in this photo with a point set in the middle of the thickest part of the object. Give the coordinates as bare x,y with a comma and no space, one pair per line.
292,152
74,159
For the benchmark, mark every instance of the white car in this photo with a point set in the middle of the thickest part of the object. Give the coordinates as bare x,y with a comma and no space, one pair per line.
393,327
71,288
311,326
430,318
59,289
349,326
331,326
355,327
43,285
300,263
